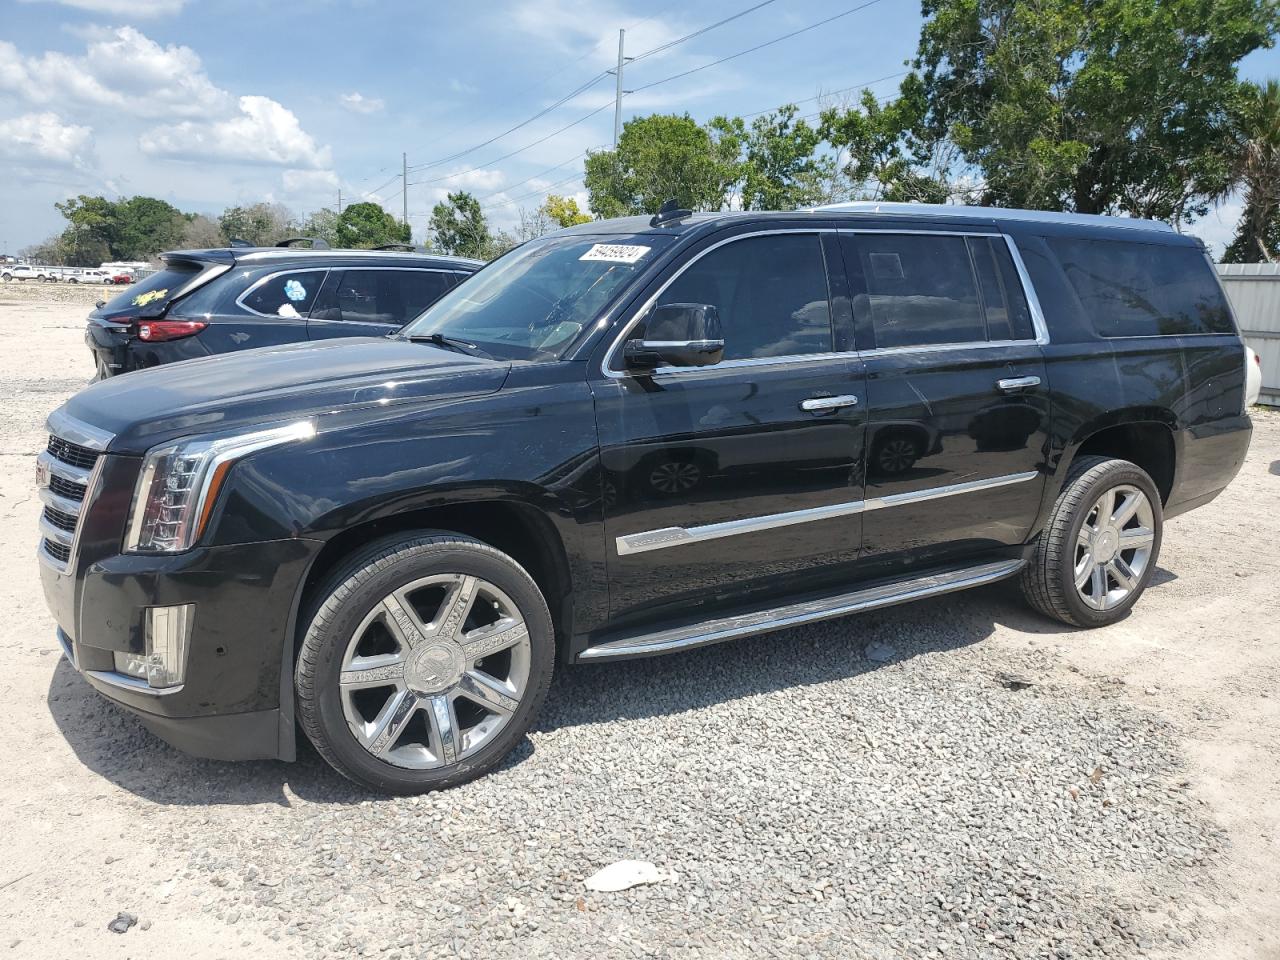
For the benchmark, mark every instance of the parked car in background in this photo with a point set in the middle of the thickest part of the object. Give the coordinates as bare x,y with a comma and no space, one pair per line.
121,276
85,275
205,302
395,540
25,271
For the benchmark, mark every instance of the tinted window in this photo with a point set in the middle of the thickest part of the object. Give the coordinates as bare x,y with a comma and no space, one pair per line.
918,290
1004,305
380,296
1133,289
152,291
771,293
286,294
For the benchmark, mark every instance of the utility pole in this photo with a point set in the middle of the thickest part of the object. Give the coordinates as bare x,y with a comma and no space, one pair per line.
339,201
404,187
617,102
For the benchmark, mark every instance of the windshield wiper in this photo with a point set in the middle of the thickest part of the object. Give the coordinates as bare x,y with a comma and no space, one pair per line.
450,343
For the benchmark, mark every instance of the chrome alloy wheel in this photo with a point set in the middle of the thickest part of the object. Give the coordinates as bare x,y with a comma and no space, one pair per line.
1114,547
434,671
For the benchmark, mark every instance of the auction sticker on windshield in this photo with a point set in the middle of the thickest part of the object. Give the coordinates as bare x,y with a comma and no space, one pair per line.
615,252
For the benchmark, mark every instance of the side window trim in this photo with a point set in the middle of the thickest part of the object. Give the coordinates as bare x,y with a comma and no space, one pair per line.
607,365
1028,292
239,301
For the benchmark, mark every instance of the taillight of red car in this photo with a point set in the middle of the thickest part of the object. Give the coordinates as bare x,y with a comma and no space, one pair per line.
158,331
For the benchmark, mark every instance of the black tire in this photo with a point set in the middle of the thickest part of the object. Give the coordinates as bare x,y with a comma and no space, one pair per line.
341,603
1048,580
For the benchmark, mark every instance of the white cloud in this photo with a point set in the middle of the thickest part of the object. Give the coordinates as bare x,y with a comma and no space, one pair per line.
309,181
357,102
264,132
122,69
1218,228
133,9
45,138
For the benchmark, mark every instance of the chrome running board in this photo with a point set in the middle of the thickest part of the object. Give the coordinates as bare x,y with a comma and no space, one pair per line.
807,611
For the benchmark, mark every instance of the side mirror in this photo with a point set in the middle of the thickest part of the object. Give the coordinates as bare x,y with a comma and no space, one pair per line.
677,335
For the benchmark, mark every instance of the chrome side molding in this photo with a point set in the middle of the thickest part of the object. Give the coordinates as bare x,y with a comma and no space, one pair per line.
808,611
676,536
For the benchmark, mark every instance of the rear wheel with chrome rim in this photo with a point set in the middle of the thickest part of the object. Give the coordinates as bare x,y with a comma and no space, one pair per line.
1098,551
424,663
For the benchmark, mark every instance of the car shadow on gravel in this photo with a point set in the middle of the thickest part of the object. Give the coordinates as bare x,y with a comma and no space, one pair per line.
115,745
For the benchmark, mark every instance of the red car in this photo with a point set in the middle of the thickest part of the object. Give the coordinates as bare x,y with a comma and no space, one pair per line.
122,277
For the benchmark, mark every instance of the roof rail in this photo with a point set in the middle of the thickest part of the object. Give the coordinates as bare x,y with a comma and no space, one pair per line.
406,247
237,242
994,213
316,242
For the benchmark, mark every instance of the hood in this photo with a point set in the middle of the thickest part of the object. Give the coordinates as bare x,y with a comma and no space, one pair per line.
276,383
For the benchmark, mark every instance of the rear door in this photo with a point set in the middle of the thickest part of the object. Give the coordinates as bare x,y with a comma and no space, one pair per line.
958,402
730,481
374,301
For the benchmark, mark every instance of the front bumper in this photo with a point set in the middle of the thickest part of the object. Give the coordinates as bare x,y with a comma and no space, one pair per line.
230,704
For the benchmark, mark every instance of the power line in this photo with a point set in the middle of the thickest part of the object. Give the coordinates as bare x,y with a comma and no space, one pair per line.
697,33
524,123
521,183
759,46
591,83
507,156
829,93
538,192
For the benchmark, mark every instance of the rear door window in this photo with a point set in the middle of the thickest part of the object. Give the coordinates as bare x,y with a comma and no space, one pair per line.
388,297
1130,289
288,295
918,290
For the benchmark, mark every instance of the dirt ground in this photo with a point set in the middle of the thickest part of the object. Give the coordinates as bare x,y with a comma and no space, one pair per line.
1202,650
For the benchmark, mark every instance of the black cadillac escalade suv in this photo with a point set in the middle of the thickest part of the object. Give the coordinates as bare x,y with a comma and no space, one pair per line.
628,438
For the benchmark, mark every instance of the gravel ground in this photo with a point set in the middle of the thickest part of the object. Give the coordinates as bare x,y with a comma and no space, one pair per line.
957,777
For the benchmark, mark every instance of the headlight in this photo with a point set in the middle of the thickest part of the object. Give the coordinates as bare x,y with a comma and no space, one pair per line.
180,481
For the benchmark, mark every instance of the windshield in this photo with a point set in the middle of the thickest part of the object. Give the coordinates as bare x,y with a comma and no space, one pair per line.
533,302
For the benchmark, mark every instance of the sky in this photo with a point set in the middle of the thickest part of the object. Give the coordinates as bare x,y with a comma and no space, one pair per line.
222,102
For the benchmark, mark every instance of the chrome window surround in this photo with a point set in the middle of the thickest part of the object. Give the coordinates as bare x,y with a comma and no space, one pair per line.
239,301
1038,323
677,536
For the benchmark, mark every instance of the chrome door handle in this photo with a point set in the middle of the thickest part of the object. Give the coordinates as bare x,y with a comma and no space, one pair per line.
815,404
1014,384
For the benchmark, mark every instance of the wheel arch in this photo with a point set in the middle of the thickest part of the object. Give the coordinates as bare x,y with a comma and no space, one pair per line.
516,527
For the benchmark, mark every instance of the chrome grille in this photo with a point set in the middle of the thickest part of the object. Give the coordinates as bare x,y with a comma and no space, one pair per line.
65,471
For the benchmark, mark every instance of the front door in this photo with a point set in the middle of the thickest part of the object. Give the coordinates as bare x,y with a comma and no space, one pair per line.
742,479
957,396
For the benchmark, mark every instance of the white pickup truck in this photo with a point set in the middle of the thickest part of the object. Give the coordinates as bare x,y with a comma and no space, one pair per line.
25,271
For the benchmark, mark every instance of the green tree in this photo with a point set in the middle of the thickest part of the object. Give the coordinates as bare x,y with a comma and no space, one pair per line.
459,228
363,225
1091,105
564,211
260,224
663,157
780,169
1257,139
323,225
144,227
202,232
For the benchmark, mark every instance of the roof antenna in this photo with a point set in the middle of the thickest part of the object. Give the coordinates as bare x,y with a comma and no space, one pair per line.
669,212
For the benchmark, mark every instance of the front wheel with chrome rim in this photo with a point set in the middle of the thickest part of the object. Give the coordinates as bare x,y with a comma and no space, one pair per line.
1098,550
425,661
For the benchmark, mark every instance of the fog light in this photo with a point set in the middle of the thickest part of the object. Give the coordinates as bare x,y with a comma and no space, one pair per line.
164,664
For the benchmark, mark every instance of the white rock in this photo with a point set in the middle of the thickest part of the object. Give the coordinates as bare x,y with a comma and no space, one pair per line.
624,875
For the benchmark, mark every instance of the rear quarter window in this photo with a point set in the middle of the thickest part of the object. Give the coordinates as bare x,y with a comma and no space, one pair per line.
1130,289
